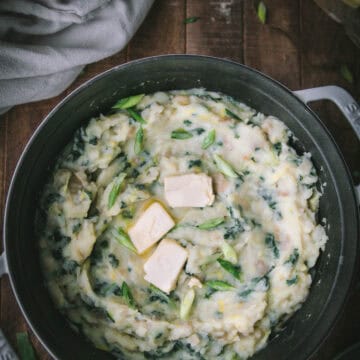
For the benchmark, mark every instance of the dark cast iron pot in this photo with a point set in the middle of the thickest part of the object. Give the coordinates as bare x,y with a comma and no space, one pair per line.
309,326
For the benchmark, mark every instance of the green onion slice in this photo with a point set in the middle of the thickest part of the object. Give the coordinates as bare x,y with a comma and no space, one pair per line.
219,285
123,238
209,139
25,348
136,116
346,73
231,114
191,19
139,141
234,270
127,295
128,102
224,167
186,304
162,295
229,253
115,191
261,12
181,134
211,224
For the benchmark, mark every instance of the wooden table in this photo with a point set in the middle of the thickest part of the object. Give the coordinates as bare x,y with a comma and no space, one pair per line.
299,46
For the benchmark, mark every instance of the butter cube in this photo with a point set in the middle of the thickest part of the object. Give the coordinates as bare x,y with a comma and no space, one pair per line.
164,265
189,190
151,226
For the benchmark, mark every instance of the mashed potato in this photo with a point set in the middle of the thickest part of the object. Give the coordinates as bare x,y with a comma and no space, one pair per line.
180,226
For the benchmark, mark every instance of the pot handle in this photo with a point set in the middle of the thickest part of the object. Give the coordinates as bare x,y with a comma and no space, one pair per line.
344,101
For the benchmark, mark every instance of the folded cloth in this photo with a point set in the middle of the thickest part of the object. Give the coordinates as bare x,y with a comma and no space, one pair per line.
44,44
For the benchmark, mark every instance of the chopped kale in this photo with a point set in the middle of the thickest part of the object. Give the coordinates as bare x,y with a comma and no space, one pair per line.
277,147
194,163
293,258
292,281
57,254
140,186
114,262
199,131
268,197
59,242
51,198
231,114
160,352
179,346
78,145
208,97
97,310
76,228
187,122
70,266
271,244
209,292
127,214
96,254
245,293
218,314
93,140
262,279
134,173
105,289
158,295
233,231
89,194
104,244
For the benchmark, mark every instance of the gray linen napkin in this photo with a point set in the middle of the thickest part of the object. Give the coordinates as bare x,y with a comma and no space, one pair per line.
44,44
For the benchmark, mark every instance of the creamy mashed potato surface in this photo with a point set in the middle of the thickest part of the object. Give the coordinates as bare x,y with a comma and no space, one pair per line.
180,226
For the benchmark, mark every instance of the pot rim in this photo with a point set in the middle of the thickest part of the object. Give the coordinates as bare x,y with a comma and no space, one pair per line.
155,58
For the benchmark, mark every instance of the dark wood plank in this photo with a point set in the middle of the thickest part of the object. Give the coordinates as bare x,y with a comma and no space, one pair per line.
20,124
219,31
162,32
323,52
3,155
273,48
325,47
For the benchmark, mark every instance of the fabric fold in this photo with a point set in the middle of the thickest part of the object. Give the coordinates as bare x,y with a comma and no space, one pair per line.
44,44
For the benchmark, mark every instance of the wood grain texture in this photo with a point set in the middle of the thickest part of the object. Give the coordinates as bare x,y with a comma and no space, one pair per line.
20,124
299,46
162,32
3,155
273,47
219,31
